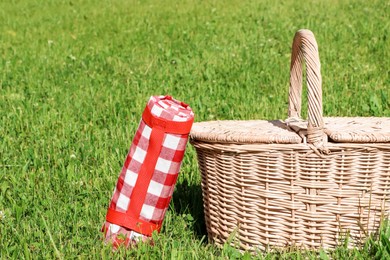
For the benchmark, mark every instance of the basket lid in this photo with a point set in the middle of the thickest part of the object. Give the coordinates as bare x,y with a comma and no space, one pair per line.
244,132
358,129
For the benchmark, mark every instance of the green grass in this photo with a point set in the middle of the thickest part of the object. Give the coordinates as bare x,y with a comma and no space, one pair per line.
75,77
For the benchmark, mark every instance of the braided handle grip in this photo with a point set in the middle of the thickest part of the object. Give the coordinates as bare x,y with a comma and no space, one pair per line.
305,47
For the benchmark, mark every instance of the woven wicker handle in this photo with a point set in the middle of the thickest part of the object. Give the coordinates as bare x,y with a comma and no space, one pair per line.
305,46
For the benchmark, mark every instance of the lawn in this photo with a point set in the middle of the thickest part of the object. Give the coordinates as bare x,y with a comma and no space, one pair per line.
75,77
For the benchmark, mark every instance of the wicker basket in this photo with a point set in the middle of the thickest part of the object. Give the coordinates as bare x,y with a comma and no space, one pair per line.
294,183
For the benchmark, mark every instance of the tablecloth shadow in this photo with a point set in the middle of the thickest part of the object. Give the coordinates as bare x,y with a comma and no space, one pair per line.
187,199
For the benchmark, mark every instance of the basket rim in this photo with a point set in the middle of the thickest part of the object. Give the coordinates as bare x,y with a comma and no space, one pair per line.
338,129
244,131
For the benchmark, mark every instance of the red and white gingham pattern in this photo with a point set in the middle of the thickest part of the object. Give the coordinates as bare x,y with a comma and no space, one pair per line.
162,183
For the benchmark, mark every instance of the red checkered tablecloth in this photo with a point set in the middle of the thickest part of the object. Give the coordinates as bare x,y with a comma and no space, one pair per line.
148,177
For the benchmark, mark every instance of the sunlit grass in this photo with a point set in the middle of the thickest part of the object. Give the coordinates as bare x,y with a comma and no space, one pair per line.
75,77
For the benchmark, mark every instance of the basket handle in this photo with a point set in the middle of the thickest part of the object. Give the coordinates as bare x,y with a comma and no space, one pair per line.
305,46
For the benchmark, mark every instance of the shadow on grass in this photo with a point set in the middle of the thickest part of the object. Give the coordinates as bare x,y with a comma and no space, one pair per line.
187,199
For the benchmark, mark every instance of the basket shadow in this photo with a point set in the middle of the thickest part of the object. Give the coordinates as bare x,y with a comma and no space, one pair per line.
187,199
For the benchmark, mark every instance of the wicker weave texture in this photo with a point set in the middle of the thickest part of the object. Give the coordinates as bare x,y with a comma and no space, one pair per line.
251,131
277,195
358,129
271,191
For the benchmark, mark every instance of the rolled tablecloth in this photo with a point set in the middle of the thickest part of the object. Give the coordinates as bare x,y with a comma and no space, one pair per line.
148,177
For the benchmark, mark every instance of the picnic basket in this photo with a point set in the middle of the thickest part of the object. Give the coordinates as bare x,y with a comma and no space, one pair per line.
271,184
